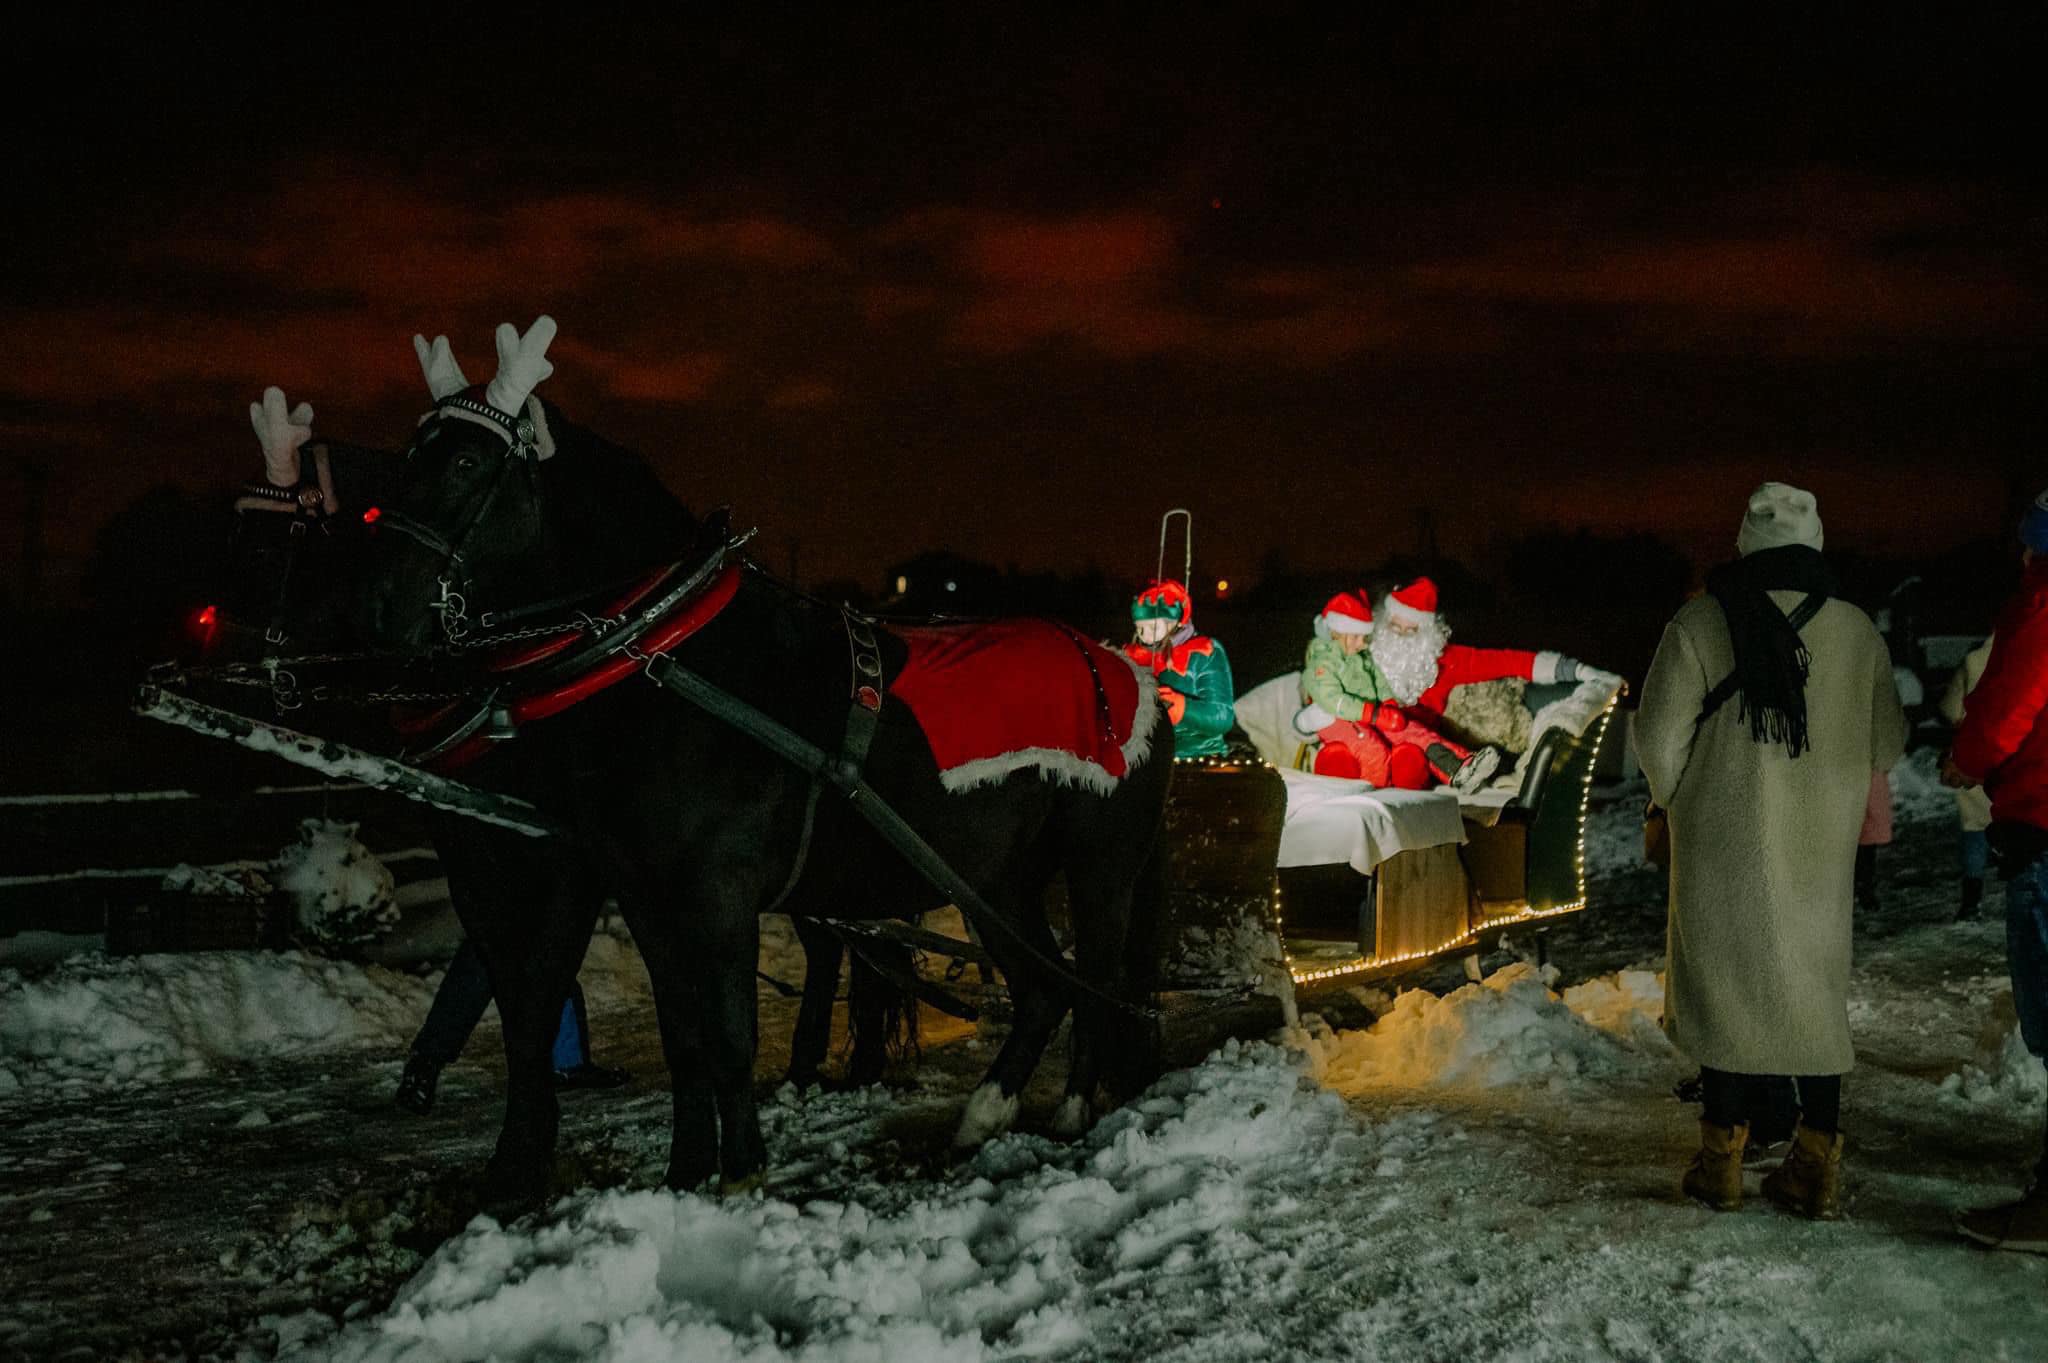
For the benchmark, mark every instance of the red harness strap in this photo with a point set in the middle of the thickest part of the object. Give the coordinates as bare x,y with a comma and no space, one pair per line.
687,619
515,656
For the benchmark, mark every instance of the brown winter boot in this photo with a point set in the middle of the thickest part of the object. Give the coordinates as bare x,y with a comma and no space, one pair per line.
1715,1175
2021,1225
1810,1180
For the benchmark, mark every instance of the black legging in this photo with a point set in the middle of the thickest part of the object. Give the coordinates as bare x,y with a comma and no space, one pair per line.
1731,1098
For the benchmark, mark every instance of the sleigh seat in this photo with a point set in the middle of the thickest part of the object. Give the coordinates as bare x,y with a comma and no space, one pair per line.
1375,881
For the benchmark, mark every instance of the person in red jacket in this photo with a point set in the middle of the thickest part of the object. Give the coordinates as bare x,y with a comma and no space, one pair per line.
2003,746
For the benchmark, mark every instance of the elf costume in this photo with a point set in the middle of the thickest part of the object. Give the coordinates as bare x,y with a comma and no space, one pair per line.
1192,670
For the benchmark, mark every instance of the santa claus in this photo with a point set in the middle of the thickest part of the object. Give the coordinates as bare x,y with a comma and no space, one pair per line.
1422,666
1361,730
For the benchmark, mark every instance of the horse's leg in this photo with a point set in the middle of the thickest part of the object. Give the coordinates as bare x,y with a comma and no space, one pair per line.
693,1134
529,910
723,933
1039,1000
882,1013
1100,881
813,1036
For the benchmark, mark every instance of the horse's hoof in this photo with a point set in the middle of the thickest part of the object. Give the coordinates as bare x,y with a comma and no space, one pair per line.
507,1202
511,1188
740,1187
1074,1117
988,1115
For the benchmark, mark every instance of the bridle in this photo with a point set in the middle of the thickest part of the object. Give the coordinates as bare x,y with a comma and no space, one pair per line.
452,583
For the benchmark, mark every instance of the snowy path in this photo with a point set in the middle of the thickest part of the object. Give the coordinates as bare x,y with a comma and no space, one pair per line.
1319,1201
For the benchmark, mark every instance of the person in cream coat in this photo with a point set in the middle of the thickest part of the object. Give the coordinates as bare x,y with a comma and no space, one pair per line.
1769,704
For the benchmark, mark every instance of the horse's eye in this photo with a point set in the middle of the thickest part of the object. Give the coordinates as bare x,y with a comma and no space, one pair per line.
466,462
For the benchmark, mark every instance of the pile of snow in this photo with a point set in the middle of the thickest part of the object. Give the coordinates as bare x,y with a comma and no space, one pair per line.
345,896
2005,1073
100,1020
1626,1005
1509,1029
1023,1253
119,1020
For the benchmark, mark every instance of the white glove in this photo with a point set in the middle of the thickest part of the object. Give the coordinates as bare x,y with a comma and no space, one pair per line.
522,364
1311,719
281,430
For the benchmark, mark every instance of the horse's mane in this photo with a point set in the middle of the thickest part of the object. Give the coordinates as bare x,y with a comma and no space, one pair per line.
609,515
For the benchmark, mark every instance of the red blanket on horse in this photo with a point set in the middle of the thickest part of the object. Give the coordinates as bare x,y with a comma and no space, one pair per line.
1002,696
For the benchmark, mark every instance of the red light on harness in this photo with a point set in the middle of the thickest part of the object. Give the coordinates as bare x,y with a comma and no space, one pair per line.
370,516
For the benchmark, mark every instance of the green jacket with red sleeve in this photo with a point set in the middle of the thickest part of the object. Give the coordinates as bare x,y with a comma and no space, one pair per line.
1199,671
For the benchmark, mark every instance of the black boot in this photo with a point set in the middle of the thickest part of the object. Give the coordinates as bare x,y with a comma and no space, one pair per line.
1866,879
416,1086
1464,774
1973,899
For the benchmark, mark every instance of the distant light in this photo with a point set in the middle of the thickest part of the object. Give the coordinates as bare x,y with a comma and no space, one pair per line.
370,516
952,586
1215,203
207,616
902,585
1222,586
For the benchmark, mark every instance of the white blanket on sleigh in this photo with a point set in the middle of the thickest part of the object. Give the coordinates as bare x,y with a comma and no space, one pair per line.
1338,822
1334,822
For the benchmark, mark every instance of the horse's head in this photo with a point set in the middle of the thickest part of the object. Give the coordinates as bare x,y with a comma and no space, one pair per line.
466,528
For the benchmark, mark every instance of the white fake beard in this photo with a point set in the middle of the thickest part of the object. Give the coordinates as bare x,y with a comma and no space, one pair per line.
1409,660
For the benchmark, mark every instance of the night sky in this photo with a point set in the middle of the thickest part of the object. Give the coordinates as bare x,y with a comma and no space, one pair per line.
1017,285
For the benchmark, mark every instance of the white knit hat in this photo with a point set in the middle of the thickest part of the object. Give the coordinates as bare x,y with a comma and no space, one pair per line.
1779,515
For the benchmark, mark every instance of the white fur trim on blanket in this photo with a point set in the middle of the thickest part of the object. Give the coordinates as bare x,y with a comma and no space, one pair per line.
1576,712
1065,768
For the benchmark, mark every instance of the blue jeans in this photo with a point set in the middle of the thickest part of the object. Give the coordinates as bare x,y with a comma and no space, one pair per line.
1976,854
460,1002
2026,949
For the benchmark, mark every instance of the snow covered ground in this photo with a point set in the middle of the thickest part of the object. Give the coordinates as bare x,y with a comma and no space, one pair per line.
1487,1172
98,1021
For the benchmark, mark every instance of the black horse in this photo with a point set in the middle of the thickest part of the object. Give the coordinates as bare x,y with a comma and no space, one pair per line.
294,573
695,827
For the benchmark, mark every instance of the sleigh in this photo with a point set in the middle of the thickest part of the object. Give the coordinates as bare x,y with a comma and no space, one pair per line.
1282,881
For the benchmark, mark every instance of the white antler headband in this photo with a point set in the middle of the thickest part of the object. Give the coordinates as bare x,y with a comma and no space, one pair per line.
522,365
437,362
281,430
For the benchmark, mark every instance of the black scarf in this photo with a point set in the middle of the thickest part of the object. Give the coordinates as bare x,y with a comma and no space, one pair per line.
1771,660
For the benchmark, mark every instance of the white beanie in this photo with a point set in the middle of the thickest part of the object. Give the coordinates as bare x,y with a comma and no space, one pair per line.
1779,515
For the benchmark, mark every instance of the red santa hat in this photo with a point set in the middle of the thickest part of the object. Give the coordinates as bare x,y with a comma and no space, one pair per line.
1415,603
1345,613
